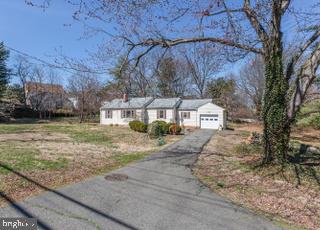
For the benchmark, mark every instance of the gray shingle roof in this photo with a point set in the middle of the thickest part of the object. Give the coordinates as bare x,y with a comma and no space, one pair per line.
164,103
193,104
132,103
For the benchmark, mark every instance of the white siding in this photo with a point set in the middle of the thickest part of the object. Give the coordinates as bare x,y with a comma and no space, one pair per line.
152,115
211,108
188,122
116,118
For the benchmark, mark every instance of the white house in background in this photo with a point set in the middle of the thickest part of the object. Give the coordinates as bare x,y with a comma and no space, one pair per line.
200,113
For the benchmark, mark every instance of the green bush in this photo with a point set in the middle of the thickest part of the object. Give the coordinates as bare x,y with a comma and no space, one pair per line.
163,126
138,126
175,129
154,130
315,122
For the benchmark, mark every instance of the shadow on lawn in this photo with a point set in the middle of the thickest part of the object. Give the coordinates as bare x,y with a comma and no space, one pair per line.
68,198
305,163
301,164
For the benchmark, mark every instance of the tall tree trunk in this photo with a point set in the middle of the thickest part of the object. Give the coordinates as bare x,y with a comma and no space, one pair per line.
276,132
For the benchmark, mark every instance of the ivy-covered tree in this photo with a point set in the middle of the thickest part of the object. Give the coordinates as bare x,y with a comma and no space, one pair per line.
4,71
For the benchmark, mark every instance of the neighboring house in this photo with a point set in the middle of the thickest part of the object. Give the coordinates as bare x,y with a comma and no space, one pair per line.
46,97
74,101
200,113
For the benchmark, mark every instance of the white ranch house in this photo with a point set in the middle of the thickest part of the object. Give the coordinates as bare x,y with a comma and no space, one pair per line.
199,113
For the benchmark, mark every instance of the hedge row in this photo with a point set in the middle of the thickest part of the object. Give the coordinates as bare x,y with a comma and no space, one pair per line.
156,128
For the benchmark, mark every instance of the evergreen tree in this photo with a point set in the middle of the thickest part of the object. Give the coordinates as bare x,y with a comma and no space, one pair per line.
4,71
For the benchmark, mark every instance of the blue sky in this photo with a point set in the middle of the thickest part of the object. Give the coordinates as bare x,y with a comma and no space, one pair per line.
39,33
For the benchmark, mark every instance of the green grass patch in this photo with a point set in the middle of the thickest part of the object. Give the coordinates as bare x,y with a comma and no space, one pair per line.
128,158
79,132
93,138
82,133
24,158
309,120
17,128
119,161
248,149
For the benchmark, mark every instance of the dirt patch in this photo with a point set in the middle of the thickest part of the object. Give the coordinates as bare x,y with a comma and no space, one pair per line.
230,172
249,127
31,136
307,135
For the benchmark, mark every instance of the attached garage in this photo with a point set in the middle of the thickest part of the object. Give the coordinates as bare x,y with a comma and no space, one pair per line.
209,121
201,113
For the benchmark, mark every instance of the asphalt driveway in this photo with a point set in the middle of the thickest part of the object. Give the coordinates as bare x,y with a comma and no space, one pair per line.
159,193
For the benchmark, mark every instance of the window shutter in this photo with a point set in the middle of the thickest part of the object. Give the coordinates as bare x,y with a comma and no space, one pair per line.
158,114
165,114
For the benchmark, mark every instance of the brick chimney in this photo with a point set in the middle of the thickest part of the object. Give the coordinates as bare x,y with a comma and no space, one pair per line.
125,97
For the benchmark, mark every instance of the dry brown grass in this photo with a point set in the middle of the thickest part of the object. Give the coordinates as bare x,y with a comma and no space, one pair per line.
307,135
80,150
228,167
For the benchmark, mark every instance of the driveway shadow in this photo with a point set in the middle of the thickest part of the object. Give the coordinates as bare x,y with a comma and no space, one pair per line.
66,197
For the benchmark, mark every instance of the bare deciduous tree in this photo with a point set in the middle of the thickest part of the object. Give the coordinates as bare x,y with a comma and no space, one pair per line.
204,61
85,88
23,71
252,83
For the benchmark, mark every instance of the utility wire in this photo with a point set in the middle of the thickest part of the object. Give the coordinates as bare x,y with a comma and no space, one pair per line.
64,68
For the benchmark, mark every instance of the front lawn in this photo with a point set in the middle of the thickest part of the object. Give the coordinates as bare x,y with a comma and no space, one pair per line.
290,195
58,153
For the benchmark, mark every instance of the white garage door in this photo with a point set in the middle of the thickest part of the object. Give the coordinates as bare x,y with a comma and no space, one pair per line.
209,121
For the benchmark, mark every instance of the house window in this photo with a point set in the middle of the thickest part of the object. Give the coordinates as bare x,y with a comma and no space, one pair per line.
185,115
161,114
108,114
128,114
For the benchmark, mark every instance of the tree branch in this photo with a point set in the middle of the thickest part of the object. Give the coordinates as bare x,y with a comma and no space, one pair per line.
306,77
239,10
253,19
284,5
167,43
296,57
310,112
